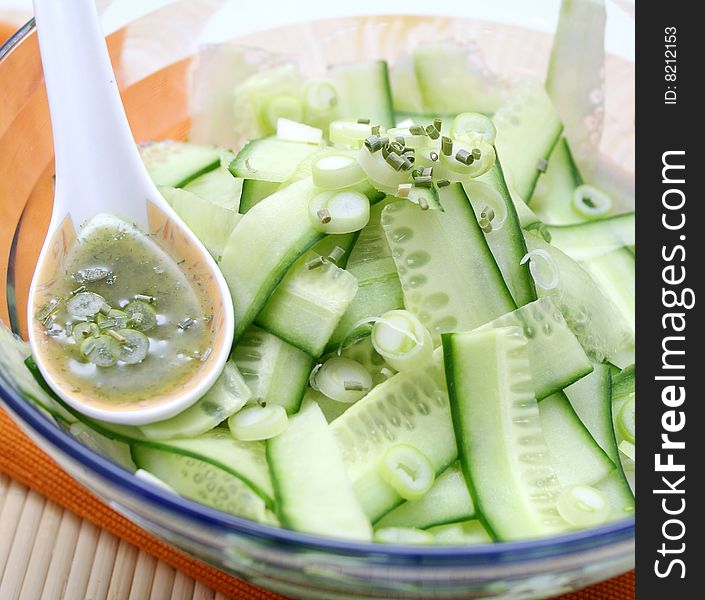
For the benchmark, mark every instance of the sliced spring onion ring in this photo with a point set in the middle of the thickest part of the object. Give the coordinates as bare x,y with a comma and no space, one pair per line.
590,202
341,211
628,449
294,131
402,340
349,133
284,106
407,470
626,420
454,170
336,171
102,351
409,536
467,124
484,195
135,347
85,304
81,331
342,379
258,422
320,96
583,506
142,316
383,176
544,271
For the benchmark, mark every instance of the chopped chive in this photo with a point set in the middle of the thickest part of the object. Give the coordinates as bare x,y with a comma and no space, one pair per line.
373,143
363,121
423,203
463,156
375,129
542,165
400,140
476,153
145,298
434,156
261,402
48,321
107,324
323,215
396,147
386,372
395,161
446,146
69,328
437,123
487,213
186,323
408,164
78,290
417,130
403,190
353,386
54,331
423,180
441,183
206,353
116,336
249,167
315,263
432,132
47,309
104,309
427,172
336,254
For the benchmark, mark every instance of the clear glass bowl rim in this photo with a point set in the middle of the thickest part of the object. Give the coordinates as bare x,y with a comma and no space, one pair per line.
160,500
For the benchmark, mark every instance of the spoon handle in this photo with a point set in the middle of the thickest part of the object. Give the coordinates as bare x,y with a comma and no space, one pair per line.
95,154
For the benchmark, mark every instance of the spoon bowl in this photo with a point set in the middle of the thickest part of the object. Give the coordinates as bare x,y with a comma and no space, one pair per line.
99,172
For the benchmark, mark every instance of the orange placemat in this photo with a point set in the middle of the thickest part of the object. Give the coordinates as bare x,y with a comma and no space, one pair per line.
26,463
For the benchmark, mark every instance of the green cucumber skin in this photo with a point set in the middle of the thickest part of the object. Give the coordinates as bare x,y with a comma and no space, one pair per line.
591,239
254,191
508,245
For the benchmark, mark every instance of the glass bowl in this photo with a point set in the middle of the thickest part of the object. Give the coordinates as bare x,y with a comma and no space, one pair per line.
154,56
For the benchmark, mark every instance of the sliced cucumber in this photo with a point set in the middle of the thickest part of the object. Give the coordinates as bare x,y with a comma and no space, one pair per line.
211,222
219,186
591,316
576,457
623,390
275,371
118,452
465,533
363,92
378,287
448,501
175,164
314,494
405,87
343,241
527,130
590,397
449,277
409,408
500,441
330,408
271,159
556,357
280,228
202,482
228,394
451,82
575,78
584,241
552,197
307,305
619,495
505,240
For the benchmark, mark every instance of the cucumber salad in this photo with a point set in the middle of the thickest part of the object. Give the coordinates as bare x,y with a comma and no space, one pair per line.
434,303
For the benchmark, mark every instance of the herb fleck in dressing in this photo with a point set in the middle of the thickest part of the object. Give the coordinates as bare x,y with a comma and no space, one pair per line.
123,323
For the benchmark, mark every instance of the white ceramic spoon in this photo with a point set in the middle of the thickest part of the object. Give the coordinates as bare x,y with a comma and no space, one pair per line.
99,171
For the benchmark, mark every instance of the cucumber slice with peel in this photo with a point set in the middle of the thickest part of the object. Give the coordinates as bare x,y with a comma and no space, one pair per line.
275,371
307,305
449,277
271,159
584,241
314,494
409,408
500,441
448,501
279,226
175,164
465,533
